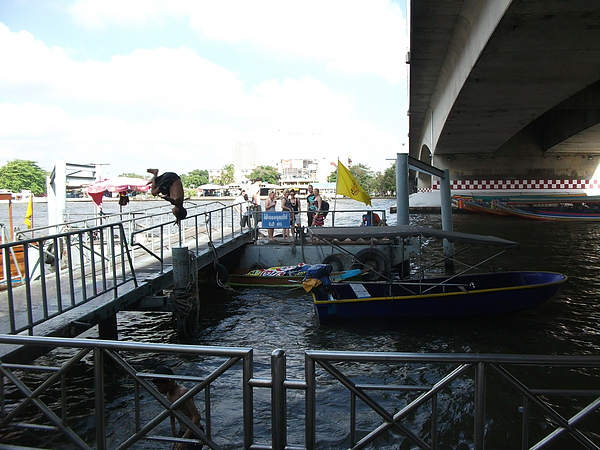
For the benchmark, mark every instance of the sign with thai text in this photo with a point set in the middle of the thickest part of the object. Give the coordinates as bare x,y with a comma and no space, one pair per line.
275,219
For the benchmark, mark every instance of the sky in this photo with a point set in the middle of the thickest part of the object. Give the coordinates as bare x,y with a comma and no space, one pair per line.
175,84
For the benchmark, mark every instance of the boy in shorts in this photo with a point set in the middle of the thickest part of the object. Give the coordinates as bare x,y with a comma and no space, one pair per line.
169,187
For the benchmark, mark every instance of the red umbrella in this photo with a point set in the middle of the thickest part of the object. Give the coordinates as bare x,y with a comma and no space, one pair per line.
118,184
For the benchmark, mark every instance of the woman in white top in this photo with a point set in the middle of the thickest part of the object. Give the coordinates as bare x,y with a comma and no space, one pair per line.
270,204
285,206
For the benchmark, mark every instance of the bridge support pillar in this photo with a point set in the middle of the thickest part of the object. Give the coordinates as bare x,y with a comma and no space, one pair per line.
107,328
446,198
402,193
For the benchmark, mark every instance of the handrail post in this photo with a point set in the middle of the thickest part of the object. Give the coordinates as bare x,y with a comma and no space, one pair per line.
99,399
479,412
310,401
248,399
278,403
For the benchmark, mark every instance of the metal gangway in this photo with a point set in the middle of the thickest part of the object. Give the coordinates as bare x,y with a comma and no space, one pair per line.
59,280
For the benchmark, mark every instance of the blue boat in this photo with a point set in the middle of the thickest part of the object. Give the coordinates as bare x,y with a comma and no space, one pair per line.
465,295
424,292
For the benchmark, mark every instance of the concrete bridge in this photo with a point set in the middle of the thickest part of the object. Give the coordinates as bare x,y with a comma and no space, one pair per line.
506,89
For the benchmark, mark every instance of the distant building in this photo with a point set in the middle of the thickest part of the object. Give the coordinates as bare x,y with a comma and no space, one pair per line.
244,155
315,170
294,171
214,174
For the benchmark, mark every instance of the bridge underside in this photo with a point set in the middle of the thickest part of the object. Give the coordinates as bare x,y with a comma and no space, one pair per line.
524,105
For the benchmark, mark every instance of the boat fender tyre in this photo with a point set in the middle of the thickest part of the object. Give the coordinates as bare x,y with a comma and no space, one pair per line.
371,258
218,274
257,266
336,261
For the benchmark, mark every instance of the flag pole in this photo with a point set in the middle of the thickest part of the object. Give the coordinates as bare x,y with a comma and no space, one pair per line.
337,178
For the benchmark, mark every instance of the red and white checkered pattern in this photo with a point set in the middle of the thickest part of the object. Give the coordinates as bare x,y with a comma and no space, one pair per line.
488,185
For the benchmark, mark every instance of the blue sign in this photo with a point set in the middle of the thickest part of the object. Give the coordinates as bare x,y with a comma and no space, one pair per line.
279,219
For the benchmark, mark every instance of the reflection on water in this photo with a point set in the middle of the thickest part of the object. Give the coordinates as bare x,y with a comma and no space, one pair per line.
267,319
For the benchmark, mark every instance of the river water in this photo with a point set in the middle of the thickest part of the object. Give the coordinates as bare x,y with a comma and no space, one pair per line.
268,319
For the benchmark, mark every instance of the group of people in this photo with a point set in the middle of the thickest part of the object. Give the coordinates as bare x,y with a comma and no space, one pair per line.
246,203
169,187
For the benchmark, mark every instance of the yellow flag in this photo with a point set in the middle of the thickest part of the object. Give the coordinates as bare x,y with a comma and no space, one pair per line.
29,213
348,186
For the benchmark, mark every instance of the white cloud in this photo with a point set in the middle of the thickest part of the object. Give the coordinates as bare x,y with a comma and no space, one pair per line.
30,68
349,36
171,106
177,79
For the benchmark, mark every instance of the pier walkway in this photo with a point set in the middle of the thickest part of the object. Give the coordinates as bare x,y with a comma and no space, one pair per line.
69,278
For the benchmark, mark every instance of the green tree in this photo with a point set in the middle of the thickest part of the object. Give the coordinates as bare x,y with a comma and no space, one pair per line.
195,178
21,174
268,174
227,175
386,182
332,178
361,173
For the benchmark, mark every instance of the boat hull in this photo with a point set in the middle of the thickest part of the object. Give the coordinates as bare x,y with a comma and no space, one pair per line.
14,265
468,295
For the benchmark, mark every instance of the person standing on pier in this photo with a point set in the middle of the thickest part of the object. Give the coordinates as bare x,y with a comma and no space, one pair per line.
286,207
240,205
295,207
310,198
169,187
270,204
254,195
318,217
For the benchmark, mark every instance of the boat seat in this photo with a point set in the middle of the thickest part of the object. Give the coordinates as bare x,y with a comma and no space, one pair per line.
360,290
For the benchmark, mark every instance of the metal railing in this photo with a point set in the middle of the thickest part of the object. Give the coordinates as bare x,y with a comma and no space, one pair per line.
205,225
60,272
96,255
424,401
45,276
58,416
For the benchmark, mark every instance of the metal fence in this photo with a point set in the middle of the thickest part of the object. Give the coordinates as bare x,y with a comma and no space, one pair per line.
43,276
60,272
96,255
345,399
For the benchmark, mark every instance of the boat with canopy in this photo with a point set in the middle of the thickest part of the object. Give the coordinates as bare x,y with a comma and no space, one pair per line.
465,292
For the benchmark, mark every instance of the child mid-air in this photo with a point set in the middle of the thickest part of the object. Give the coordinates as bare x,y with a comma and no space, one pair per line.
169,187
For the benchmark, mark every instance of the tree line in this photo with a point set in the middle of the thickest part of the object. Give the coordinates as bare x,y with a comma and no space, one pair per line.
18,175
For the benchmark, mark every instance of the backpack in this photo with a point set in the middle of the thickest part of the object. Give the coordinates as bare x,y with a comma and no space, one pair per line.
325,208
